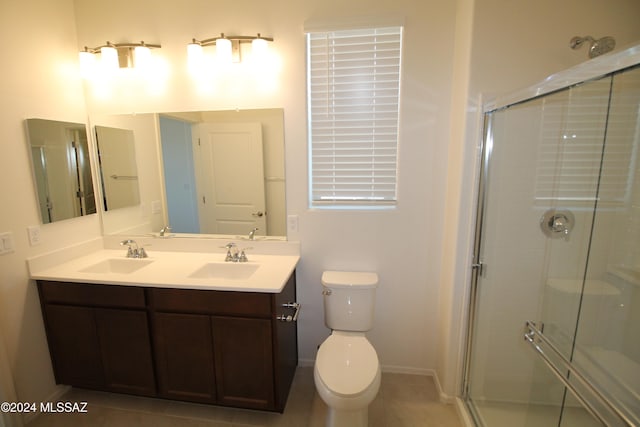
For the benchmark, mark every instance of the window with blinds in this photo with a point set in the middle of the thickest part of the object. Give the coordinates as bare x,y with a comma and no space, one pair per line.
353,84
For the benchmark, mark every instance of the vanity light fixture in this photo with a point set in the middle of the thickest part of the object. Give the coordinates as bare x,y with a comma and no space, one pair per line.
117,55
227,47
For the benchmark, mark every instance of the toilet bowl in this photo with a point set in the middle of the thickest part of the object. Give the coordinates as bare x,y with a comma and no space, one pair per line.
347,377
347,371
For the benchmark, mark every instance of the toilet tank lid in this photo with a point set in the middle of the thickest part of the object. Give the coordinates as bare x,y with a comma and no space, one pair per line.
339,279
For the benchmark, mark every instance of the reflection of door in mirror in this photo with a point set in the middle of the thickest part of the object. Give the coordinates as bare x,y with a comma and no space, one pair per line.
214,177
118,169
39,157
61,169
80,149
230,173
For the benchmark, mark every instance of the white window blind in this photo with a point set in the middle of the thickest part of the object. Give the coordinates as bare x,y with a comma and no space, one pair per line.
353,83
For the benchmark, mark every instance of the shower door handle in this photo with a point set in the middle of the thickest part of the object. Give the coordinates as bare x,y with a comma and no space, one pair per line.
590,395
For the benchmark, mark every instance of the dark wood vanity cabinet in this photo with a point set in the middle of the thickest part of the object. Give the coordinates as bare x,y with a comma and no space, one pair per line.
244,361
234,350
99,336
204,346
184,357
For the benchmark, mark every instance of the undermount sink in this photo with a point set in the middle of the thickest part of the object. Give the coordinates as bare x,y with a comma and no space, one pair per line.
117,265
225,270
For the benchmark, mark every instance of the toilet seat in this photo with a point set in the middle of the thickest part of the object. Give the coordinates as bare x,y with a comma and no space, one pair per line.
347,364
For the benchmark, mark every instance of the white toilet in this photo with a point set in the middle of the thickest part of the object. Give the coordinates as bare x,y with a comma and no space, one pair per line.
347,372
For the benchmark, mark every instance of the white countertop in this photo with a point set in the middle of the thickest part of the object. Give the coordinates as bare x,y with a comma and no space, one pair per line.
164,268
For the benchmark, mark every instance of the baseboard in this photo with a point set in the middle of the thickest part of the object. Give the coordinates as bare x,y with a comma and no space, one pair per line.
392,369
305,363
53,397
444,397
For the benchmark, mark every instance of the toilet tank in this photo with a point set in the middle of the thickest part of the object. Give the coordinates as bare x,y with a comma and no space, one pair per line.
349,300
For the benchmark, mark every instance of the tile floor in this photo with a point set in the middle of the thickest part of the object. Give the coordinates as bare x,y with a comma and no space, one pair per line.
403,401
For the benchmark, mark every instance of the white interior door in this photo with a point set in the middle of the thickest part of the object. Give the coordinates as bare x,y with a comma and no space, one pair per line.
230,176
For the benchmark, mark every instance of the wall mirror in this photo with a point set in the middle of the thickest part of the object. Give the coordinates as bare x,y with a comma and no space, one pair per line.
61,169
219,173
118,167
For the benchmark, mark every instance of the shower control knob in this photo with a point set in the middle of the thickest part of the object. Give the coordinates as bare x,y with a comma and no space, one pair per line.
557,223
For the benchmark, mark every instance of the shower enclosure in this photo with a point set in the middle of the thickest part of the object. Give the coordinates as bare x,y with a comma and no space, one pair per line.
555,307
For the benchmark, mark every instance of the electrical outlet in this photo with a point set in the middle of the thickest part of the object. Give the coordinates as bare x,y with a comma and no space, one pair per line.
292,223
34,235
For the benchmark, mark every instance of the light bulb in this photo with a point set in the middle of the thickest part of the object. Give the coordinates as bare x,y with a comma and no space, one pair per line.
223,50
142,56
109,58
195,56
87,63
259,48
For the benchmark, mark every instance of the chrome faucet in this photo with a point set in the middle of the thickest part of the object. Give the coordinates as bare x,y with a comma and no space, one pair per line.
136,252
164,230
234,254
252,233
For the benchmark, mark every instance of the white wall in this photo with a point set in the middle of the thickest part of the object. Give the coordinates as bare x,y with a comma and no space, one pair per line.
39,80
514,44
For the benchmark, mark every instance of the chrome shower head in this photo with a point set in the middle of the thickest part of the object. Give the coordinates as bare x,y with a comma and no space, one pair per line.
602,46
597,47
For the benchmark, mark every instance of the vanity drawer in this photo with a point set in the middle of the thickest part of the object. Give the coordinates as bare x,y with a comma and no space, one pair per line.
92,295
251,304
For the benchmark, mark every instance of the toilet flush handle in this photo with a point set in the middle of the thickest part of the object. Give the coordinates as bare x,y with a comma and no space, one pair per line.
289,318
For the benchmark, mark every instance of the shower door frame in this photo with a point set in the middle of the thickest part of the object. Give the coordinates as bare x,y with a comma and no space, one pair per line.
476,262
591,70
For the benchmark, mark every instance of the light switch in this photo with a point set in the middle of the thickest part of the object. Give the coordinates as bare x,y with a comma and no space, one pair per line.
6,243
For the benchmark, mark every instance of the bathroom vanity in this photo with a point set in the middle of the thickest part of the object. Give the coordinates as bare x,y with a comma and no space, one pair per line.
191,342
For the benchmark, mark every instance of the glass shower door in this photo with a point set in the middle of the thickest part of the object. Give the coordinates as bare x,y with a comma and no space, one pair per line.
540,183
607,346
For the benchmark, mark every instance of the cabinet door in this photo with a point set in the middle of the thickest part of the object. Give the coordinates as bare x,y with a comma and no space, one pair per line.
285,343
184,356
244,362
74,346
126,351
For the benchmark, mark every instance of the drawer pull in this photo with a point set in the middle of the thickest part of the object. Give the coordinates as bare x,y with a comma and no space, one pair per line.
296,306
